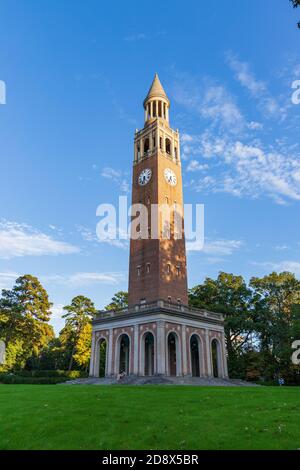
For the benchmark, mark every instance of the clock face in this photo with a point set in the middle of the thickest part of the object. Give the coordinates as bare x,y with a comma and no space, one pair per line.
170,177
145,176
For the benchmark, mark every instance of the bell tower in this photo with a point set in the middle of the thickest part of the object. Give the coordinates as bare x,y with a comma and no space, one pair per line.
157,266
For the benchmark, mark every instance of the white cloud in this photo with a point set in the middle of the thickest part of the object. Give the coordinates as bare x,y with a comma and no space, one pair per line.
56,319
194,165
291,266
110,173
248,169
186,138
84,278
57,311
118,177
244,75
253,125
135,37
281,247
121,242
7,280
219,106
23,240
215,248
271,106
211,101
297,70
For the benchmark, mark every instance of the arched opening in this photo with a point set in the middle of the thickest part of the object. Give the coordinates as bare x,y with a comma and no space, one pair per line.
159,109
124,354
168,146
149,354
153,140
195,355
172,354
146,145
154,108
102,357
215,353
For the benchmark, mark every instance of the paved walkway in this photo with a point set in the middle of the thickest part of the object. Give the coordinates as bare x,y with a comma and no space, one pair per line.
156,380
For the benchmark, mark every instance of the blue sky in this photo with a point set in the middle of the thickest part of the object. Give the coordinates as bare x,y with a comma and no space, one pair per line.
76,74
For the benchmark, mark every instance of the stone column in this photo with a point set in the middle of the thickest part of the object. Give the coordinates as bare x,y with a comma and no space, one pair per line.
146,112
136,350
141,148
150,141
92,360
167,111
161,348
164,142
135,152
109,353
208,354
225,367
151,109
184,351
172,148
157,139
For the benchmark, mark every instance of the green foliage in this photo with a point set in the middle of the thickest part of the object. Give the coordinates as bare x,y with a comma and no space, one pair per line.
71,374
229,295
277,301
261,321
119,301
16,379
24,315
296,4
76,335
83,346
40,376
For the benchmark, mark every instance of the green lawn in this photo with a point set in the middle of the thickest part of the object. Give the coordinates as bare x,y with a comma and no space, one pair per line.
148,417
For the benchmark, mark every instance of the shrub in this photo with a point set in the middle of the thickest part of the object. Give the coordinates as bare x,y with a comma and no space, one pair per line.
72,374
17,379
40,376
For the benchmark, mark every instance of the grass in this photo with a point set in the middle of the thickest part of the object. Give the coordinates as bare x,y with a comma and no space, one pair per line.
148,417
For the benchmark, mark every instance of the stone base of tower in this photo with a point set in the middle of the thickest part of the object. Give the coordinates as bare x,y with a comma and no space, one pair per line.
158,339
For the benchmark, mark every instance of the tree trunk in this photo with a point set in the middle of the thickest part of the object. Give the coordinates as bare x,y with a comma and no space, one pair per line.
71,359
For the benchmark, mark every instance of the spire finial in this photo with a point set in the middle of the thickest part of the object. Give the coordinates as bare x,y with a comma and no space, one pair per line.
156,90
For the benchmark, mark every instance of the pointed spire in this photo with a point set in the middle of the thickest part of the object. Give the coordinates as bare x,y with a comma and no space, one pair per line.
156,90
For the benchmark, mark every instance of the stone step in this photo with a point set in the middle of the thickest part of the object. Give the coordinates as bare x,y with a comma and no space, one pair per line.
162,380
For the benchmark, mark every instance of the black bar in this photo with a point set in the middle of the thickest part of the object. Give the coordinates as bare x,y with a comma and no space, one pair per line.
137,458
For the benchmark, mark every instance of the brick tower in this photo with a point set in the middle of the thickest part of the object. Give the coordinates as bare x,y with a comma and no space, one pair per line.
157,334
157,267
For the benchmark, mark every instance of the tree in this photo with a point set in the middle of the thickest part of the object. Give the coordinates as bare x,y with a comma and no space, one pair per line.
277,300
296,4
24,314
83,348
79,314
229,295
119,301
